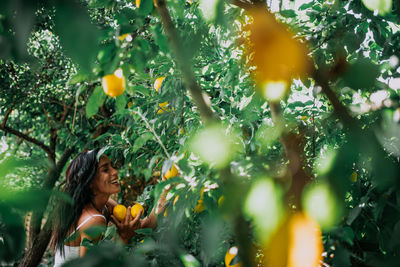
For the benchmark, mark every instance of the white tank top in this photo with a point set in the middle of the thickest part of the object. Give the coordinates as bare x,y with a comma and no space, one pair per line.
69,251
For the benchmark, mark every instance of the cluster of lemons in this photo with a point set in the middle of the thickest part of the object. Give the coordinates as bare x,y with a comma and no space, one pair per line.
120,211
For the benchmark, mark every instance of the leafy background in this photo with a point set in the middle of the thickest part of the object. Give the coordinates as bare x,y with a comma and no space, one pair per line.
54,54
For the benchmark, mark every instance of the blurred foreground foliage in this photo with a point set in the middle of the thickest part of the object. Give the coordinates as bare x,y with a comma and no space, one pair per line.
53,55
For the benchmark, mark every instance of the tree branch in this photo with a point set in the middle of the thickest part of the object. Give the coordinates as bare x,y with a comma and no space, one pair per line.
242,231
189,79
6,116
29,139
293,150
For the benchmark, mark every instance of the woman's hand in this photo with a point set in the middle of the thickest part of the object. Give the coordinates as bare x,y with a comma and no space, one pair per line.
126,228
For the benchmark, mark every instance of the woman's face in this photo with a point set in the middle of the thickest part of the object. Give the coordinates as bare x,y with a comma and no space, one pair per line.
106,180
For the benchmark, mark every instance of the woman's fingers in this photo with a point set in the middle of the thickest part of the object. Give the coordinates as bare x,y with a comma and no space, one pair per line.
136,221
115,221
128,215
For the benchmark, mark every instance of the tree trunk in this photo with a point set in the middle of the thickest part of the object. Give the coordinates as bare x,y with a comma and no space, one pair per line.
39,239
34,255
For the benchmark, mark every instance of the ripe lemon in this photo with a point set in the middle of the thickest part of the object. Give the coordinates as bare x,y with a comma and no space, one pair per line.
158,82
171,172
135,210
137,3
119,212
114,84
296,243
200,206
353,177
221,200
230,254
163,107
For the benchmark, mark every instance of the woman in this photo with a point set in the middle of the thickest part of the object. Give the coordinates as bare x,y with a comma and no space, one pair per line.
90,181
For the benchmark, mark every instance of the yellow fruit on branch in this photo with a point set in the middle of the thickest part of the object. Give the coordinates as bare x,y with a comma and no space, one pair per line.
136,209
296,243
200,206
158,83
230,255
126,37
171,172
119,212
114,84
163,107
175,200
137,3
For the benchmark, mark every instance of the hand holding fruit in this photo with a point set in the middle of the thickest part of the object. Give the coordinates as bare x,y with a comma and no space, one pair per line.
125,222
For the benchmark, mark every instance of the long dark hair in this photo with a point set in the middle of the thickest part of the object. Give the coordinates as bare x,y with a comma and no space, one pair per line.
78,175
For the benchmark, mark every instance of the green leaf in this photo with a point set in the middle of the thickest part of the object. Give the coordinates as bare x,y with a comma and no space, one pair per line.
121,103
146,7
142,89
306,6
78,78
189,261
144,231
141,140
382,6
95,101
362,74
95,231
289,13
78,36
100,3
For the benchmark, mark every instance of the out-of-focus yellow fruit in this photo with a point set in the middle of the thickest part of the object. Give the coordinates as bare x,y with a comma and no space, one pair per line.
135,210
171,172
354,176
200,206
158,83
137,3
272,49
114,84
221,200
296,243
230,255
119,212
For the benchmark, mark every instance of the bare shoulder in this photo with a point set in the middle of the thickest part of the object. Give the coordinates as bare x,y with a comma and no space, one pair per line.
90,218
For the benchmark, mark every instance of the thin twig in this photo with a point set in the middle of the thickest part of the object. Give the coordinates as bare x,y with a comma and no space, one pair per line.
154,132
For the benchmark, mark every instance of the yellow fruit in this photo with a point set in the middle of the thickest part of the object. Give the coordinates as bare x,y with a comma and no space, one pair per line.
221,200
158,82
296,243
125,36
172,172
114,84
137,3
230,254
163,107
135,210
119,212
200,206
175,200
275,54
354,176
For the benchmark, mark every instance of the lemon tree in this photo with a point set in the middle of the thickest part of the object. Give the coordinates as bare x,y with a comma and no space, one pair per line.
252,101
